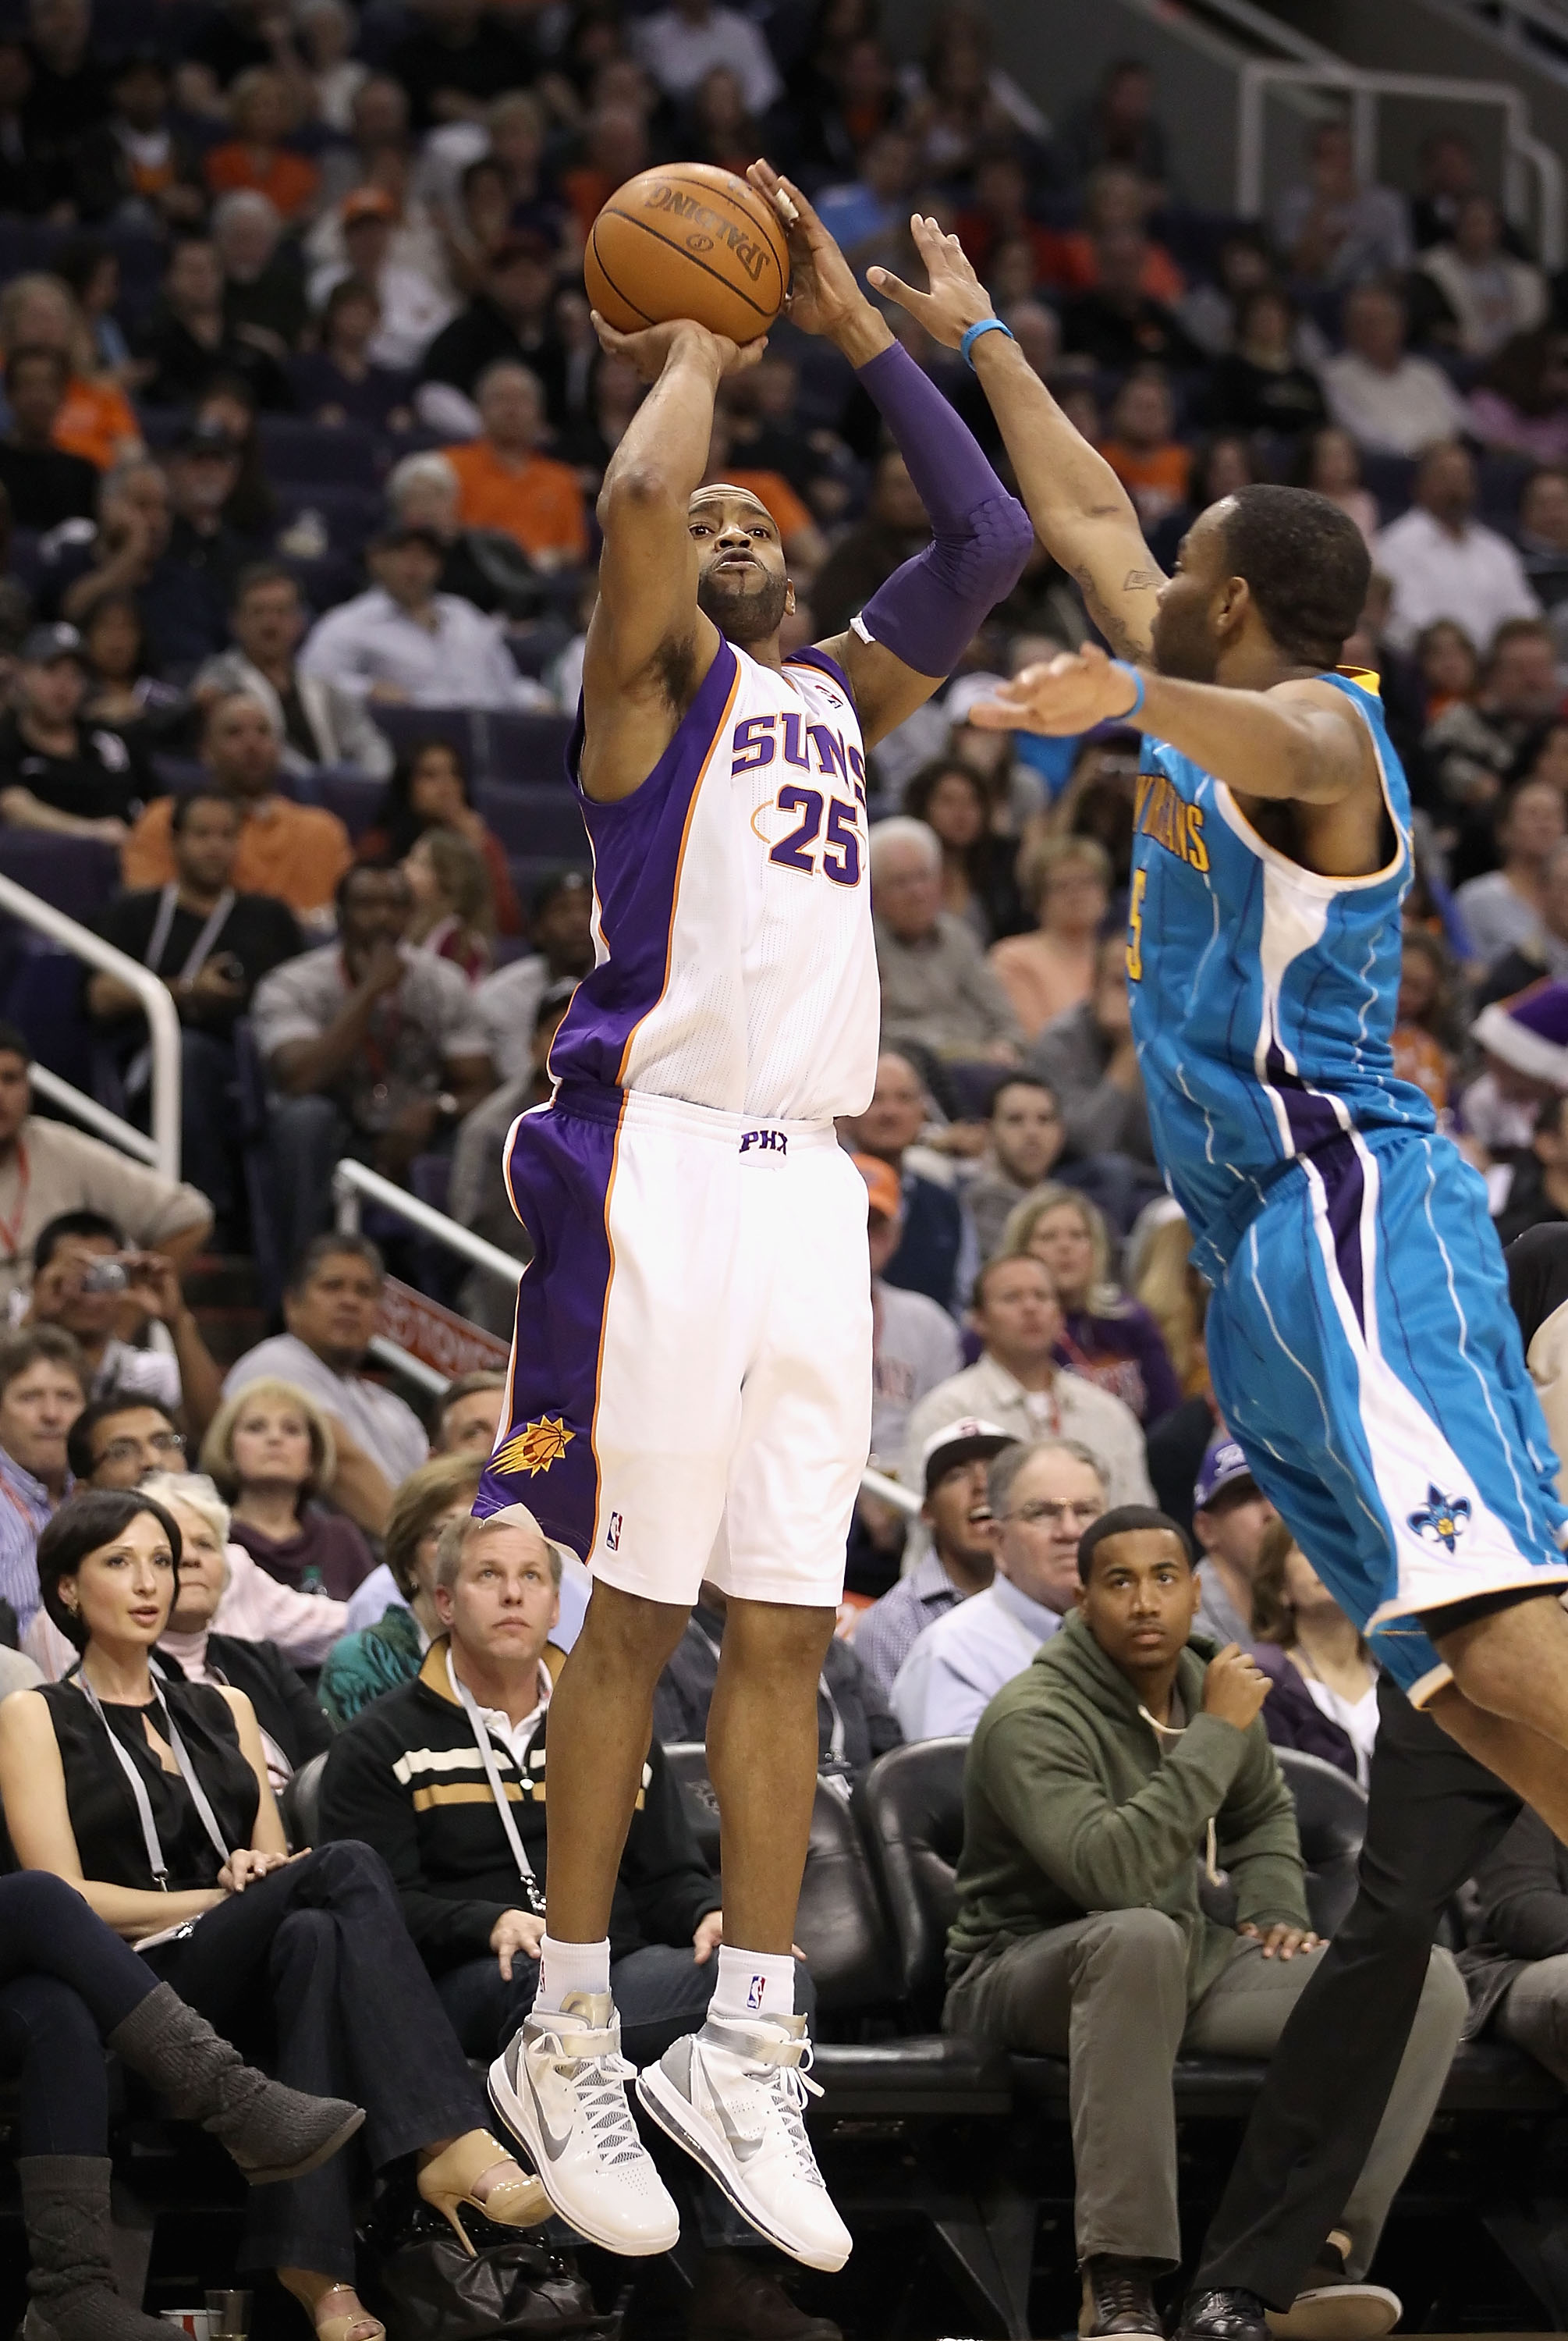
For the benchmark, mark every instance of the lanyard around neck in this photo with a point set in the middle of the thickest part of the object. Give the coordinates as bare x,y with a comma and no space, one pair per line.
197,956
530,1886
144,1803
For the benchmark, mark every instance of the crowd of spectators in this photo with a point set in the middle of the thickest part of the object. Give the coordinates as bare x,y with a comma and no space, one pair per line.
303,421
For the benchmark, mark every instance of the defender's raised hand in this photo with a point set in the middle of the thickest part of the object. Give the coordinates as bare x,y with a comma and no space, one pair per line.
956,299
824,297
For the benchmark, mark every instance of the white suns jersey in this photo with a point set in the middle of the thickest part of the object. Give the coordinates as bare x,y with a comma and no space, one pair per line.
736,963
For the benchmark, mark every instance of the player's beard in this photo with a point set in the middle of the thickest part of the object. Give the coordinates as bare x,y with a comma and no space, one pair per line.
1183,645
751,613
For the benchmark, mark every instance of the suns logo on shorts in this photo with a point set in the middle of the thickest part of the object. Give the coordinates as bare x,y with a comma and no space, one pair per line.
1442,1518
535,1446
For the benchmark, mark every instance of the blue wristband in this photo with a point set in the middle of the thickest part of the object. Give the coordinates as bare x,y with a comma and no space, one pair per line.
985,325
1136,677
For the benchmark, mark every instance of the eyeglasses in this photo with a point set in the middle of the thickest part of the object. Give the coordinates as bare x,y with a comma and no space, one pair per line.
129,1450
1046,1514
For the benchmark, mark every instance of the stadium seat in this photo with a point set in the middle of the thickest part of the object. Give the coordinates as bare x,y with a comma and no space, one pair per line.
354,797
409,728
839,1925
522,747
533,820
77,874
298,451
300,1805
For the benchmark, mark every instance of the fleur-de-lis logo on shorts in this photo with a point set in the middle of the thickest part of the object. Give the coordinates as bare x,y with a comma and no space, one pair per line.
535,1446
1442,1518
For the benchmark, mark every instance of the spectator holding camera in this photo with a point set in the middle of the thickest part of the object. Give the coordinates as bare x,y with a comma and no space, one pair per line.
87,1281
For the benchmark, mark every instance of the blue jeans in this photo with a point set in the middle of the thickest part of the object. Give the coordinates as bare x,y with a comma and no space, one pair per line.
65,1983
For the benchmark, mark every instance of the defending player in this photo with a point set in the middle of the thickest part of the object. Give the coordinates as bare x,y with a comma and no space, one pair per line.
691,1377
1359,1338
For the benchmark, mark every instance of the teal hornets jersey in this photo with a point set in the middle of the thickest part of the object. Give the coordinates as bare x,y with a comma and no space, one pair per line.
1263,995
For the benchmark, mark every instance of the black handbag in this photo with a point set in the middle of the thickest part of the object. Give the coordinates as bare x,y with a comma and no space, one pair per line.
426,2288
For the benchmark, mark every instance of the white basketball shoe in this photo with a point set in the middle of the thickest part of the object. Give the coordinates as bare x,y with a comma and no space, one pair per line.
560,2085
734,2095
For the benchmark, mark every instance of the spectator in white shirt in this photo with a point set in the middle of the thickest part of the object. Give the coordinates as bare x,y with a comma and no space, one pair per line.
330,1307
1501,911
916,1341
1019,1385
1333,230
1492,295
414,308
1442,562
1042,1496
681,45
403,643
1390,402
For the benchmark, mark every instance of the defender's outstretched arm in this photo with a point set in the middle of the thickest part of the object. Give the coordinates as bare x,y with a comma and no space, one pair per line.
1082,514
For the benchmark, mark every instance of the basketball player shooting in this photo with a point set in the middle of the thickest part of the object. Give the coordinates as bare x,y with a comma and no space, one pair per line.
691,1378
1359,1341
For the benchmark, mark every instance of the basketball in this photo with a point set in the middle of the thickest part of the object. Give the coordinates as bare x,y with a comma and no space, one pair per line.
688,240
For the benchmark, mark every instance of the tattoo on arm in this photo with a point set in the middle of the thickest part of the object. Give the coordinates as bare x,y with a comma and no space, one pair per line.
1140,581
1107,618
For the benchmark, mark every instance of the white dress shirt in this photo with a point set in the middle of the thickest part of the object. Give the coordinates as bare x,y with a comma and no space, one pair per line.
960,1663
460,661
1472,575
1394,411
679,53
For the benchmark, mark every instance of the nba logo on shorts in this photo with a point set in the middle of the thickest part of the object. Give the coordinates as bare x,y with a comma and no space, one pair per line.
612,1533
754,1992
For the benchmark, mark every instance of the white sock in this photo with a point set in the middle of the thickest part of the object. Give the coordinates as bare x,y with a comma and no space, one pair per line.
566,1968
753,1983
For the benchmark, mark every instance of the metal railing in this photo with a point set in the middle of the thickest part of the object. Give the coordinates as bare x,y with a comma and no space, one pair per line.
1526,157
353,1182
162,1150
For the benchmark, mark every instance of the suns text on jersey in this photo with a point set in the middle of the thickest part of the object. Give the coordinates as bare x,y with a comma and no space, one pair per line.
1164,814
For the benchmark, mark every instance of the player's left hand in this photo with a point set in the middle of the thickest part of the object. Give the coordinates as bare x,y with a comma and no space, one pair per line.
1282,1942
824,297
1066,694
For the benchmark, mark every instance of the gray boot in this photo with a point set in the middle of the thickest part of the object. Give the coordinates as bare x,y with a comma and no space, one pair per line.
271,2131
66,2207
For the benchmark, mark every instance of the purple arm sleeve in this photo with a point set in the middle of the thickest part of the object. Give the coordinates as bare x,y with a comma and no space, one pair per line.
930,608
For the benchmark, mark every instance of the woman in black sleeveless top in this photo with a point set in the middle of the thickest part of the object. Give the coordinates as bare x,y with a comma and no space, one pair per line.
153,1797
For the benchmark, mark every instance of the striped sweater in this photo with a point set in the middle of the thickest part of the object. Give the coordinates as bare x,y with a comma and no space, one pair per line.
406,1778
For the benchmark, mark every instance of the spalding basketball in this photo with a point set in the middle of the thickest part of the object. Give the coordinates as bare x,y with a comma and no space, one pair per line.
687,241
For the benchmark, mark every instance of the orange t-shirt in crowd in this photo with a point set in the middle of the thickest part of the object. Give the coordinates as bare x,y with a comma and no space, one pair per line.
287,180
295,852
1155,477
1418,1058
1073,268
96,421
587,189
784,508
540,504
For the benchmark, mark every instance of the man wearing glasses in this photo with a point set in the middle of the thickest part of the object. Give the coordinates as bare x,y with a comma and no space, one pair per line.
116,1440
1042,1496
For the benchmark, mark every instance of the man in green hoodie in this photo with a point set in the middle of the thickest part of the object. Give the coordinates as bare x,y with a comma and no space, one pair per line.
1101,1783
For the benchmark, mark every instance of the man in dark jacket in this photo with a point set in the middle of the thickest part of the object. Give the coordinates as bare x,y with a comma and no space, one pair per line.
1098,1782
1516,1968
420,1775
854,1722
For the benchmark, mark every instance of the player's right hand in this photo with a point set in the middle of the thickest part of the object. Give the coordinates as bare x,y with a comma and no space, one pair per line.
650,350
1235,1687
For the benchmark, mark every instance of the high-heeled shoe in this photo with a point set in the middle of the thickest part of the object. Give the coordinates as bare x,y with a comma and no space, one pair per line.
350,2325
447,2183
